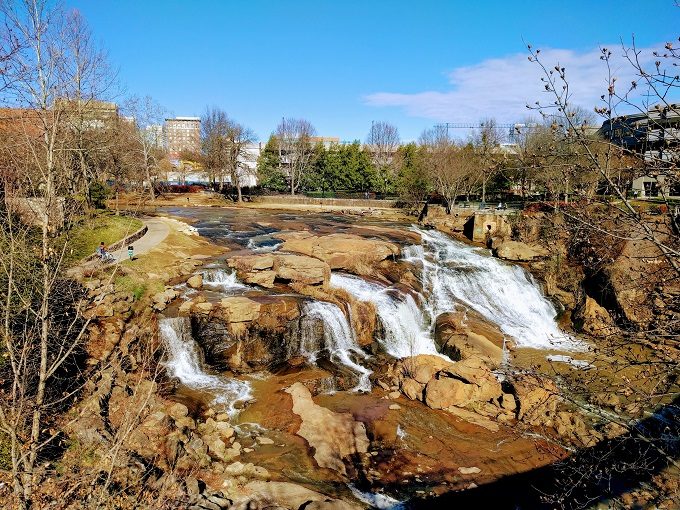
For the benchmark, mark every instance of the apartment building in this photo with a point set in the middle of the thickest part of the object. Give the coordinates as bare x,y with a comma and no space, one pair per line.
182,134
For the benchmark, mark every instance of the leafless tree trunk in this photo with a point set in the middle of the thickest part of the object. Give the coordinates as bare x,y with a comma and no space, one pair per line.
382,143
294,137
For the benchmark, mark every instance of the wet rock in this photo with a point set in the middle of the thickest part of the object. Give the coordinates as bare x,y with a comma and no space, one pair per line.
335,437
196,281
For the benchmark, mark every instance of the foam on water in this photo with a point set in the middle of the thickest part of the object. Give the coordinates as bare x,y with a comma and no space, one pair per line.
506,294
222,280
184,363
339,340
407,332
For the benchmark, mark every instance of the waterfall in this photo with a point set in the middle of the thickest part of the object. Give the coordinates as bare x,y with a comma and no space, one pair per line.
339,339
184,363
222,280
407,332
506,294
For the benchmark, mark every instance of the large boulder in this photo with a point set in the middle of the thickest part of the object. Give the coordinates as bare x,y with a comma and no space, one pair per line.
519,252
195,281
446,392
593,319
240,309
462,335
266,269
340,251
442,384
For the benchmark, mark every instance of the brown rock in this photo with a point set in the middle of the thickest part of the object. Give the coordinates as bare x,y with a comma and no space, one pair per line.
593,319
446,392
520,252
266,268
538,398
196,281
412,389
340,251
240,309
462,335
334,436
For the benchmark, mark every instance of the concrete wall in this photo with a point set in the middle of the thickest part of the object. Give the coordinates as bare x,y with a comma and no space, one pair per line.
487,223
340,202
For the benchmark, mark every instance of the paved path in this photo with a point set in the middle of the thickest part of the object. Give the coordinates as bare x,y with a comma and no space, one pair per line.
158,231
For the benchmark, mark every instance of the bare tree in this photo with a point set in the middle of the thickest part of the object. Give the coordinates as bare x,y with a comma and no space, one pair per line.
449,167
382,142
487,142
42,327
225,145
146,116
296,151
630,257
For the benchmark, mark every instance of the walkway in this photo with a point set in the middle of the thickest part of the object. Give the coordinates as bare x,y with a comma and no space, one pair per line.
158,231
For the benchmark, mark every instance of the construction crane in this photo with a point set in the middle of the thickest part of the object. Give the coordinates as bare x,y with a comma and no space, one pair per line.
513,129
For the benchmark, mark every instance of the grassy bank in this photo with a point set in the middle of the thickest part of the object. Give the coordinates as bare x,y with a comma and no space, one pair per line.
107,227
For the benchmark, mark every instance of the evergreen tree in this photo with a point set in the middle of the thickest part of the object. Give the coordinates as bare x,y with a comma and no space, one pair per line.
269,171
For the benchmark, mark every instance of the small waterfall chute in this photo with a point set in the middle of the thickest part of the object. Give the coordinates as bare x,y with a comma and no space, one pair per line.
407,332
184,363
338,338
221,280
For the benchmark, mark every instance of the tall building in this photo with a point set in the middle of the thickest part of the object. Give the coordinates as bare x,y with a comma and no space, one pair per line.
182,134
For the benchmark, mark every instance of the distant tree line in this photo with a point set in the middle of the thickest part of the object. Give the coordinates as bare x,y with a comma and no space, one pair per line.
542,162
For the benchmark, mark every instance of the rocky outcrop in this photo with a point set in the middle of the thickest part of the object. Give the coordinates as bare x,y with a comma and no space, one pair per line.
465,334
517,251
267,269
593,319
466,388
243,334
161,299
349,252
336,437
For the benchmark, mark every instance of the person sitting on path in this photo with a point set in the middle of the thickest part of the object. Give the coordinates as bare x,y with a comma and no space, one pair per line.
104,255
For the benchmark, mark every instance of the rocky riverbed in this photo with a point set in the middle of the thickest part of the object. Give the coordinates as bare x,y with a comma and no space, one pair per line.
330,361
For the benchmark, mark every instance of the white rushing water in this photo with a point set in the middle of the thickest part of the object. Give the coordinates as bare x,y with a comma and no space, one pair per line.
339,340
407,332
184,363
506,294
221,280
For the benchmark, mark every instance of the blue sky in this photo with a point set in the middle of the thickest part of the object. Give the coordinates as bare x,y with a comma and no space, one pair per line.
342,64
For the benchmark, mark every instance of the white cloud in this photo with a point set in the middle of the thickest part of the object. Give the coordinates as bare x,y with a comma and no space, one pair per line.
502,87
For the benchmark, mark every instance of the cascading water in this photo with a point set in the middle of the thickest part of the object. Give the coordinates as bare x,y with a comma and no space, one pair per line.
221,280
339,339
184,363
406,330
506,294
